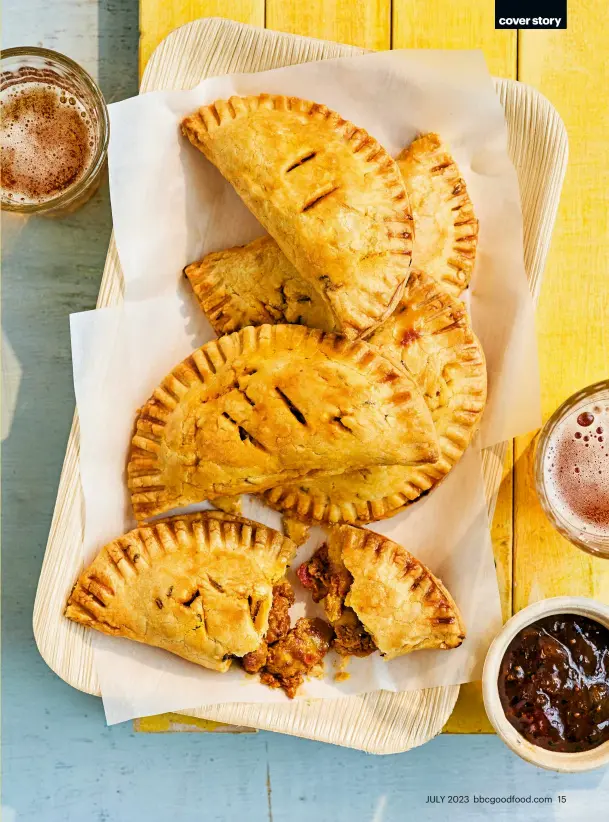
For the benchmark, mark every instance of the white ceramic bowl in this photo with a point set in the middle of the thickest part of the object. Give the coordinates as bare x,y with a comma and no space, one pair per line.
551,760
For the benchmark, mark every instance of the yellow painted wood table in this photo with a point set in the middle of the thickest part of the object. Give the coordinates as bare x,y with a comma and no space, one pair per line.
570,68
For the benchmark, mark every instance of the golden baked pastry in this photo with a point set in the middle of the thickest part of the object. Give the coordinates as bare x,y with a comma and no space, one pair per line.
446,229
253,285
230,505
256,284
383,595
325,190
430,334
297,530
200,586
271,404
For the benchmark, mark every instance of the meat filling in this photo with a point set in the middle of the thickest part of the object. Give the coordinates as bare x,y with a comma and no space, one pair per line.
350,636
315,575
279,625
255,660
279,618
329,581
294,656
287,655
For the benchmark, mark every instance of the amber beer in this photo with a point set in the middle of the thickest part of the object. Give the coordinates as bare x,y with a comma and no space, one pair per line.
572,468
54,129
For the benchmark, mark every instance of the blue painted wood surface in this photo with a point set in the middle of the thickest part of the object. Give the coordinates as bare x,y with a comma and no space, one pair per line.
60,762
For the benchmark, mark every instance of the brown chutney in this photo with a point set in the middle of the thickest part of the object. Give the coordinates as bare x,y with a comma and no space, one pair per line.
554,683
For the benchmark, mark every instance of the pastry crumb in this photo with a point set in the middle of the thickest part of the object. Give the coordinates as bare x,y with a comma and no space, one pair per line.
342,675
230,505
296,530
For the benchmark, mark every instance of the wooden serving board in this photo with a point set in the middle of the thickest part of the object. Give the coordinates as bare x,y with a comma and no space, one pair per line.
380,722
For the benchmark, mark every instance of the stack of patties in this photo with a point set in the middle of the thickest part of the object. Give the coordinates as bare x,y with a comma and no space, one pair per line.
345,383
429,333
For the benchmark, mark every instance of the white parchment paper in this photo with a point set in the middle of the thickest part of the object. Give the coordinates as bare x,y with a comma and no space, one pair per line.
170,206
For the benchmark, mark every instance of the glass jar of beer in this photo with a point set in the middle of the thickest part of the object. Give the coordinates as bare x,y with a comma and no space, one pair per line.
55,130
572,468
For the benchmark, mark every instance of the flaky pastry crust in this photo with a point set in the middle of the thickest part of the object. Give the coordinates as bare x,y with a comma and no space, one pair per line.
400,603
297,530
230,505
253,285
446,229
200,586
271,404
325,190
256,284
430,334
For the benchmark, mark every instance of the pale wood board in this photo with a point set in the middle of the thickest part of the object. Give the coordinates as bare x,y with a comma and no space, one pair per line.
379,722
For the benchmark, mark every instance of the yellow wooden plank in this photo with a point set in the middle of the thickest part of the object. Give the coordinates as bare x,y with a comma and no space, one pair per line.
502,534
176,723
364,23
445,24
469,716
571,69
161,723
159,17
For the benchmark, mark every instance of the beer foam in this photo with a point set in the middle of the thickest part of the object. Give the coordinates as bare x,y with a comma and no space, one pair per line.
47,141
576,469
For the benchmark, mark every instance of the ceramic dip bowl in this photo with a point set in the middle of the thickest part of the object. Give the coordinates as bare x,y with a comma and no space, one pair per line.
549,759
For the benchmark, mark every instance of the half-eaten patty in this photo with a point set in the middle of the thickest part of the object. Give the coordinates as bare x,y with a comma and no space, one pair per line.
328,580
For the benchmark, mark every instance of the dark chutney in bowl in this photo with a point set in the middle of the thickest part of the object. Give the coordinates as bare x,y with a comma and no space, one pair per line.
554,683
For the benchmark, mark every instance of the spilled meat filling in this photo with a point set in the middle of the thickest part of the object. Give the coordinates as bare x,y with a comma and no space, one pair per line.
287,654
328,579
297,654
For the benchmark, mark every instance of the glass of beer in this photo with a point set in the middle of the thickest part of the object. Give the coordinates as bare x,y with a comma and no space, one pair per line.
572,469
55,130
